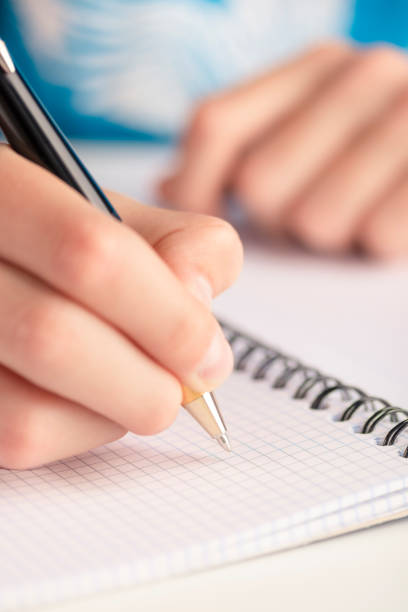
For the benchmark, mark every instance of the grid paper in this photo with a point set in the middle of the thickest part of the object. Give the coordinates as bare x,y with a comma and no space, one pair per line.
140,509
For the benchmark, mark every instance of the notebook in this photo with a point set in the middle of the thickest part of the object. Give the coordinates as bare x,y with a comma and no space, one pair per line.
308,463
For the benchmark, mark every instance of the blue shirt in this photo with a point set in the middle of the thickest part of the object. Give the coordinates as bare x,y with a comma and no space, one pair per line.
134,68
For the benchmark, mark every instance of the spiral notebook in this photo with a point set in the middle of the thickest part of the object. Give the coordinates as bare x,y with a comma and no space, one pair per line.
312,458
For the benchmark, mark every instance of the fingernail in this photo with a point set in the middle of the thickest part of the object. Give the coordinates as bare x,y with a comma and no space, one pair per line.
217,362
201,289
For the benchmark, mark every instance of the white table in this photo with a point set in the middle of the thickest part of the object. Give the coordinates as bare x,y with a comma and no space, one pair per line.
303,304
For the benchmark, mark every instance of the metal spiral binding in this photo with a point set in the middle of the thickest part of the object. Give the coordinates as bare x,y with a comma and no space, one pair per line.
314,385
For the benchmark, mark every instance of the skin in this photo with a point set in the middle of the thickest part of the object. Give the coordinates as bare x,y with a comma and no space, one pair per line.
315,148
100,320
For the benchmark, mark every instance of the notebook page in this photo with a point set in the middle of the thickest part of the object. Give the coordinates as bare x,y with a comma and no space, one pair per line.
146,508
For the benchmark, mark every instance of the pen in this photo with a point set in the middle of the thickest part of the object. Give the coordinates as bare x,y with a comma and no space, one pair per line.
31,132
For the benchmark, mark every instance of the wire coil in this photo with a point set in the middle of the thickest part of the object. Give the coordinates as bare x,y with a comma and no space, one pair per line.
305,382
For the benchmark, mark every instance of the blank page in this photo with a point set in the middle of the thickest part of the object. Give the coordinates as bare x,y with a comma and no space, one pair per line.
146,508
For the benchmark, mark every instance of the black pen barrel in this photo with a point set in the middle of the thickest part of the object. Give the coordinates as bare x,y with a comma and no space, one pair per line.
32,133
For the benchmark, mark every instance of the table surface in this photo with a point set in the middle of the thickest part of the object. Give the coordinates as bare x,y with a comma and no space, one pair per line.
362,570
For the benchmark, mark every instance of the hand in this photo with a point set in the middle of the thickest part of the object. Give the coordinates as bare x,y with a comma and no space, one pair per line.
317,147
98,322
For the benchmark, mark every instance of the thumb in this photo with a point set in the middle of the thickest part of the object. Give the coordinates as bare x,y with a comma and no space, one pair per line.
204,252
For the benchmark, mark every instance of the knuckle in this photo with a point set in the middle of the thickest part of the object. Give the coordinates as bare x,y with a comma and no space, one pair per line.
38,335
209,119
333,48
381,61
87,255
384,66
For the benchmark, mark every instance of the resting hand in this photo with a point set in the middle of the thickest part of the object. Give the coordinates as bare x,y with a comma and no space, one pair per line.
99,323
316,147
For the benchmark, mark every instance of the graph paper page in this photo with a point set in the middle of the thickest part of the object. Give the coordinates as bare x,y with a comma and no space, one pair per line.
144,508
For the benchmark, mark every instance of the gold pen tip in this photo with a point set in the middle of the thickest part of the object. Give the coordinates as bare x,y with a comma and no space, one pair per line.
224,442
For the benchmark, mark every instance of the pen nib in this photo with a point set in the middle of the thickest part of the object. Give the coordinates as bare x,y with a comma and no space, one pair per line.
224,442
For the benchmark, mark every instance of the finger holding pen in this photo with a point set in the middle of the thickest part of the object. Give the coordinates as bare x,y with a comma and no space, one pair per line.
110,270
63,299
74,281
